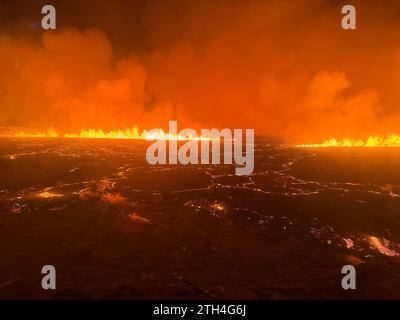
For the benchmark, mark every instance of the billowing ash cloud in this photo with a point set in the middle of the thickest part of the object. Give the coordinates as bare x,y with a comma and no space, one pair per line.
285,68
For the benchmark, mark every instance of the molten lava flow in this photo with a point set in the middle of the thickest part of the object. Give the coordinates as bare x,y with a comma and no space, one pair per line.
392,140
51,133
48,194
133,134
100,134
382,246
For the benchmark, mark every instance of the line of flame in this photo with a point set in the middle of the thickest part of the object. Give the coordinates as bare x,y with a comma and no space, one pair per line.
132,134
392,140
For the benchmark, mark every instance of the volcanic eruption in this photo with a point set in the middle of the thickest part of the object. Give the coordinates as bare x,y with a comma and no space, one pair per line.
78,109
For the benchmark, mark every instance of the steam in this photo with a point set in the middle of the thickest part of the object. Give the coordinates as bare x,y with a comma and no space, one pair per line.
284,69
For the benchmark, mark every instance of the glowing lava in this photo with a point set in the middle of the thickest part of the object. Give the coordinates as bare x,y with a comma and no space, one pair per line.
48,194
51,133
132,134
382,246
392,140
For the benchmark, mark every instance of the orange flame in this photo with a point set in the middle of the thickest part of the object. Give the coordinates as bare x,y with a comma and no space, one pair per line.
392,140
22,134
132,134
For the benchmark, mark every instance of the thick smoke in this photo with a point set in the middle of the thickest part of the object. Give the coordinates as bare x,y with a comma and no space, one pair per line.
285,68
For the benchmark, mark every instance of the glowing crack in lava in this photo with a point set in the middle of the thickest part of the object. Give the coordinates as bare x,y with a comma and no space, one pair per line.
382,246
131,134
392,140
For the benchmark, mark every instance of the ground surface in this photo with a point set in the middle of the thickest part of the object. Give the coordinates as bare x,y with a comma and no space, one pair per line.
116,227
